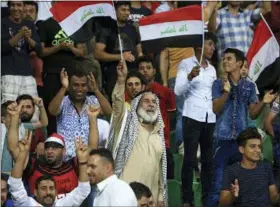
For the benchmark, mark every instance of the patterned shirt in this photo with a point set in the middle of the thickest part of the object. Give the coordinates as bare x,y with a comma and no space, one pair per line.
233,118
233,31
71,124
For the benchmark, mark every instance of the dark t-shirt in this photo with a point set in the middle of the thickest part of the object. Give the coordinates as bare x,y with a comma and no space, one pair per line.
52,34
138,13
109,36
15,60
253,184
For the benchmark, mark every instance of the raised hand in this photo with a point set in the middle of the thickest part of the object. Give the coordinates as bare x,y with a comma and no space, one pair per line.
122,70
14,109
38,102
226,84
195,72
92,82
235,188
93,111
269,97
64,78
81,150
25,143
27,34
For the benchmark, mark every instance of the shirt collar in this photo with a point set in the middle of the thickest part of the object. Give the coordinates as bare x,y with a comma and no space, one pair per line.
196,61
240,10
102,185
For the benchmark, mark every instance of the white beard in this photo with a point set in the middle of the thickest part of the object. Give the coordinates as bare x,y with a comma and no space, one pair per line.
147,117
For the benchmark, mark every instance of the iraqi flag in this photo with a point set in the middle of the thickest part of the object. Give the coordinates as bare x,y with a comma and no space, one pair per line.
263,59
76,17
182,27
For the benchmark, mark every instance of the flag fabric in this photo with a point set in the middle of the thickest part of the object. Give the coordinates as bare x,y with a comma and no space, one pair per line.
263,58
182,27
76,17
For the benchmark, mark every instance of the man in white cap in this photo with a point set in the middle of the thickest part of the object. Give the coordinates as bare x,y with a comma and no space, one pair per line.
52,163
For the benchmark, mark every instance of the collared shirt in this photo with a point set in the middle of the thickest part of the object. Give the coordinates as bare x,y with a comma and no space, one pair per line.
114,192
234,31
197,92
20,197
71,124
233,118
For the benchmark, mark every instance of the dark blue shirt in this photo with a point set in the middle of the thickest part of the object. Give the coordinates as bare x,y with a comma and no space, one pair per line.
233,118
15,60
253,184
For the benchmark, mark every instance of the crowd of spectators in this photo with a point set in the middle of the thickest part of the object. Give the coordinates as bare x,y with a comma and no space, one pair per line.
82,125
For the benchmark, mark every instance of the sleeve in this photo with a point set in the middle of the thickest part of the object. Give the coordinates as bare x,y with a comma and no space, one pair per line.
93,100
102,36
42,32
218,19
216,89
103,128
171,103
255,14
182,82
5,37
227,181
271,180
19,195
62,105
75,197
253,99
36,38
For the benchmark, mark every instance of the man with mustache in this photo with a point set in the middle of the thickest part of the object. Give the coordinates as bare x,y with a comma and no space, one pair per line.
52,163
167,104
45,186
137,139
249,182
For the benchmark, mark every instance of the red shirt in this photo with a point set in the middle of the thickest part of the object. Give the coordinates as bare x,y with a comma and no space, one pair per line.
66,176
167,104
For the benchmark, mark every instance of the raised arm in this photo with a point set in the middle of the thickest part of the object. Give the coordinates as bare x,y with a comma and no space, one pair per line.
13,131
79,194
43,122
54,106
93,140
163,66
105,106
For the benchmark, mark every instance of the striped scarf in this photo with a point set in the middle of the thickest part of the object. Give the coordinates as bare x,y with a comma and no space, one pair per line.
129,137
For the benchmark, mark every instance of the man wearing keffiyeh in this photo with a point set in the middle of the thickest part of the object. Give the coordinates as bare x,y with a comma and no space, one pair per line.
137,139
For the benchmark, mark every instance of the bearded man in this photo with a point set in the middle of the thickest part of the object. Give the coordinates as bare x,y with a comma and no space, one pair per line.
137,139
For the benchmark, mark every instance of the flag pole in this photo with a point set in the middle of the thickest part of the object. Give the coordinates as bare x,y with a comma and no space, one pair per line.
202,16
119,36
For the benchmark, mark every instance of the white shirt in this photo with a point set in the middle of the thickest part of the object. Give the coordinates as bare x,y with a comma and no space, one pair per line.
20,197
114,192
103,131
197,92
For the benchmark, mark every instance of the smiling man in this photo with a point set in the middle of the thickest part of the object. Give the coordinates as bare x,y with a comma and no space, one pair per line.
250,182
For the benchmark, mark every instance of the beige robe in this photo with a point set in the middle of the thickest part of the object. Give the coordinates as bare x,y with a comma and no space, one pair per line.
145,162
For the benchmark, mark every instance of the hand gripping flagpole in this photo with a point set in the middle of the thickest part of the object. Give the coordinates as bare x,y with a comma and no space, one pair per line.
119,36
202,48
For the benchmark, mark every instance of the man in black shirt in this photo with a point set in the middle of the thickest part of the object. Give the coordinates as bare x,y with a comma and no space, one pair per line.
249,183
107,48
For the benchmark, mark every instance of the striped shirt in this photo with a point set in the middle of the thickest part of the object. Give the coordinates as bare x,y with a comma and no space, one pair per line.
253,184
234,31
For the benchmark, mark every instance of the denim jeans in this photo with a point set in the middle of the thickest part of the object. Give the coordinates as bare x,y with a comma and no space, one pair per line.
226,153
179,105
195,133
